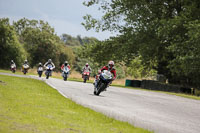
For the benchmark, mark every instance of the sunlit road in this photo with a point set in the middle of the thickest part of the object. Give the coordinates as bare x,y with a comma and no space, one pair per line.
159,112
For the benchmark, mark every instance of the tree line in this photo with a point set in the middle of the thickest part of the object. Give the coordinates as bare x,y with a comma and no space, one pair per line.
36,41
161,36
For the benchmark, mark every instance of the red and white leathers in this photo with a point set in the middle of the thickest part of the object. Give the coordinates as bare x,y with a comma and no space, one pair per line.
111,69
63,65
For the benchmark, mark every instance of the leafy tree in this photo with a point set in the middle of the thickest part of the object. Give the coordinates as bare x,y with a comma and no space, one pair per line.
69,40
77,41
10,48
160,32
41,43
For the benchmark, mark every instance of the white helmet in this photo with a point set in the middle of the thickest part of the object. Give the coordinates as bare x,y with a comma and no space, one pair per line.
111,64
86,64
49,60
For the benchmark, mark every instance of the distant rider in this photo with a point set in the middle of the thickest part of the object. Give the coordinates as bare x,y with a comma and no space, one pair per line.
25,64
12,63
39,66
86,68
109,67
66,64
49,62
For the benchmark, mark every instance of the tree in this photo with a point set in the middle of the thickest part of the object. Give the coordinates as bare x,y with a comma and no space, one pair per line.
10,48
157,31
41,43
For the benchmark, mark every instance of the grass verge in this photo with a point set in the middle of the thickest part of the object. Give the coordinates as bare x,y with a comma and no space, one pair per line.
28,105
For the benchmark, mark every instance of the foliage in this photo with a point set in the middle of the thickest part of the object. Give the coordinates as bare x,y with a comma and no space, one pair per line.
10,48
137,70
41,43
97,57
77,41
164,34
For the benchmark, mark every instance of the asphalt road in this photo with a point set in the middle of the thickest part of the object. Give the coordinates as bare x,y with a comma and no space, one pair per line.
159,112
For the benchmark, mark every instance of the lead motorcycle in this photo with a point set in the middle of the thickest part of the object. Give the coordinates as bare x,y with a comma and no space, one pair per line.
25,68
65,73
13,68
104,79
49,70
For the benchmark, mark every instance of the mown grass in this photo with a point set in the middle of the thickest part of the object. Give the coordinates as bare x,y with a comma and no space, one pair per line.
28,105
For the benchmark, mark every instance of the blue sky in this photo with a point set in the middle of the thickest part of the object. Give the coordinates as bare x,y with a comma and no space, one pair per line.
64,15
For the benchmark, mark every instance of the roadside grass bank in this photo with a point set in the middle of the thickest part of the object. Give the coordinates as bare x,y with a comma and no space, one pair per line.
75,76
29,105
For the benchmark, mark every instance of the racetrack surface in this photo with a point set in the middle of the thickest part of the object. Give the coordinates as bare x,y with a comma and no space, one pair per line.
155,111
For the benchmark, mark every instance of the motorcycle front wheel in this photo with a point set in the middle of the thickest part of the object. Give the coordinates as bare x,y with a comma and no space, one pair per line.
47,76
24,72
100,88
65,78
85,79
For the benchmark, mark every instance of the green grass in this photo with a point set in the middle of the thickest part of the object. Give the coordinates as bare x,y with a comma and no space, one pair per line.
28,105
17,72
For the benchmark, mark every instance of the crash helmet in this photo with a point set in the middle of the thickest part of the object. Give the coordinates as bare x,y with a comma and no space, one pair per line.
40,64
66,63
49,60
12,61
111,64
86,64
25,61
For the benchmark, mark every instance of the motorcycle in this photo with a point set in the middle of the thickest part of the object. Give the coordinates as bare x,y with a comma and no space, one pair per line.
25,68
49,70
65,73
40,71
85,76
104,79
13,68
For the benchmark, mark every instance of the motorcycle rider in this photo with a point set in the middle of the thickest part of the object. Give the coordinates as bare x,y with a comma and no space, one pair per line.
109,67
49,62
25,63
86,68
66,64
12,63
39,65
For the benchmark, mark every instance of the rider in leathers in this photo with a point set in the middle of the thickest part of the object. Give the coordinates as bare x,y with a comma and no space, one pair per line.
109,67
49,62
86,68
66,64
25,63
12,63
